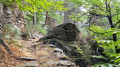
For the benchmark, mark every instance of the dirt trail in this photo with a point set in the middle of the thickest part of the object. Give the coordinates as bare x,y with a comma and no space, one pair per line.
33,55
43,55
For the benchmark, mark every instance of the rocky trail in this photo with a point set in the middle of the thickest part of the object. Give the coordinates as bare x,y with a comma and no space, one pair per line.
44,55
57,49
37,55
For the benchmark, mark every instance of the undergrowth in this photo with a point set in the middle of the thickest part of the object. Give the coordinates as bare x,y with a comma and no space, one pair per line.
11,31
30,28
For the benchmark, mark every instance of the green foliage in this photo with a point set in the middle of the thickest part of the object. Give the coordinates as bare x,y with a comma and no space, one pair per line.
105,65
39,16
104,39
103,34
11,31
99,57
99,32
56,16
84,32
31,29
41,29
109,47
6,2
79,17
77,2
40,5
97,7
110,54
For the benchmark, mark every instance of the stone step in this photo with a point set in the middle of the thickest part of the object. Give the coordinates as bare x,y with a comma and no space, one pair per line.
31,64
27,58
57,50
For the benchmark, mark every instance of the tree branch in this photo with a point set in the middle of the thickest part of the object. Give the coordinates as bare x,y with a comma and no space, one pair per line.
114,14
117,23
98,32
90,20
98,7
106,5
98,14
113,4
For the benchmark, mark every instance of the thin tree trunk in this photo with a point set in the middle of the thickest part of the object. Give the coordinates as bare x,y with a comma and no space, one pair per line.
65,17
34,19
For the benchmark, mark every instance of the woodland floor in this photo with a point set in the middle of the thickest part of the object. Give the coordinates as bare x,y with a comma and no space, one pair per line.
34,55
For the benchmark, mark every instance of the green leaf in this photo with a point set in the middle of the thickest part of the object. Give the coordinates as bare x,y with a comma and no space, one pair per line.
110,65
117,61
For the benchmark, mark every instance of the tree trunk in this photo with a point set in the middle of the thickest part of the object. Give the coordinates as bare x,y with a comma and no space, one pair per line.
34,19
111,24
114,37
1,9
65,17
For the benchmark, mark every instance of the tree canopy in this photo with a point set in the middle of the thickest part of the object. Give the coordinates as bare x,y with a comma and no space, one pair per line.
36,5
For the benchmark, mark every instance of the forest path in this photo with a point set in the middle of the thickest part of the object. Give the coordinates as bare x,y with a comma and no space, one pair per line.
42,55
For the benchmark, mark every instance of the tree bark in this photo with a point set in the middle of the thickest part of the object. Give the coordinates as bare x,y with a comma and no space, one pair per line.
34,19
112,26
65,17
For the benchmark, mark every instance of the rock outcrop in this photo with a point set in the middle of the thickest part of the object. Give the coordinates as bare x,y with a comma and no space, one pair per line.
11,15
63,36
66,32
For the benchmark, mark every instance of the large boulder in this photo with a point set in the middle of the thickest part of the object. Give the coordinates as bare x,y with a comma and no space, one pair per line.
64,36
67,32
